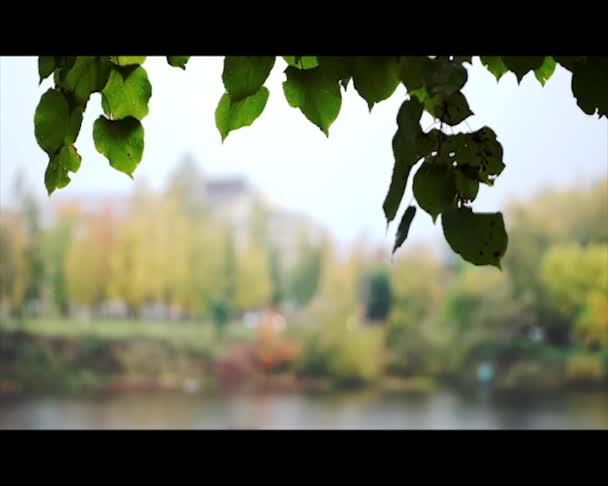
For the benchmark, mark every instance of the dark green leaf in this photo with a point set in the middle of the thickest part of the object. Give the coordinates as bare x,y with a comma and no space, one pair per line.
434,188
570,62
546,70
522,65
339,68
127,93
478,154
65,160
178,61
231,115
121,141
406,150
454,110
88,75
375,77
445,78
315,93
466,187
495,65
53,125
243,76
404,227
46,66
589,86
479,238
463,59
414,71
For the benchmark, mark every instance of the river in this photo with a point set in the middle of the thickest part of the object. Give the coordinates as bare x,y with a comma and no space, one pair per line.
345,410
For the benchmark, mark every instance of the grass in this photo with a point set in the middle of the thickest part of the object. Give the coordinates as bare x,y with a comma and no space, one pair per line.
190,334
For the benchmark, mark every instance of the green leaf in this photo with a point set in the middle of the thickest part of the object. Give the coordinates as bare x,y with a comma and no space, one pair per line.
231,115
302,62
477,154
54,125
62,65
404,227
431,104
522,65
454,110
466,187
414,71
243,76
315,93
121,141
407,143
463,59
375,77
88,75
65,160
339,68
445,78
495,65
178,61
434,188
127,93
484,152
589,82
46,66
570,62
546,70
401,173
479,238
128,60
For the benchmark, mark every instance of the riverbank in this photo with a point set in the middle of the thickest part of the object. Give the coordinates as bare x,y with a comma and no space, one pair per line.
116,357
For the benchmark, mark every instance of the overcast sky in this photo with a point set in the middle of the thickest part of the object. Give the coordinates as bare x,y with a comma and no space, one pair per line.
340,181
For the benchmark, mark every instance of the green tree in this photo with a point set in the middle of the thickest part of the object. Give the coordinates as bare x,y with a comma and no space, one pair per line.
254,279
534,229
29,207
55,247
378,294
575,278
223,297
418,288
13,262
303,277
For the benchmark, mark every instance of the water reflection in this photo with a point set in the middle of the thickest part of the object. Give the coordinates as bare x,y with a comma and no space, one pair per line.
352,410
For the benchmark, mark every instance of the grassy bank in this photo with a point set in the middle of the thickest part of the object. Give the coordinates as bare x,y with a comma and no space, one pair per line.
53,355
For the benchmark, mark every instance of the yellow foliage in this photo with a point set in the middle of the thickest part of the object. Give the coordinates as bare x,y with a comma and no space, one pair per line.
591,328
253,279
83,270
571,272
13,260
584,368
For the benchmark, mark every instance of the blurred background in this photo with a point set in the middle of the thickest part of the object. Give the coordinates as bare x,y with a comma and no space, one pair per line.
250,284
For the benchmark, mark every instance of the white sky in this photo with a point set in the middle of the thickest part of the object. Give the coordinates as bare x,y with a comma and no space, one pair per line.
340,181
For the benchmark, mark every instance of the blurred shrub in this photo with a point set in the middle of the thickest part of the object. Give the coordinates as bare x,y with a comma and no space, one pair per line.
358,356
344,350
414,339
591,327
272,351
530,376
585,368
575,280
